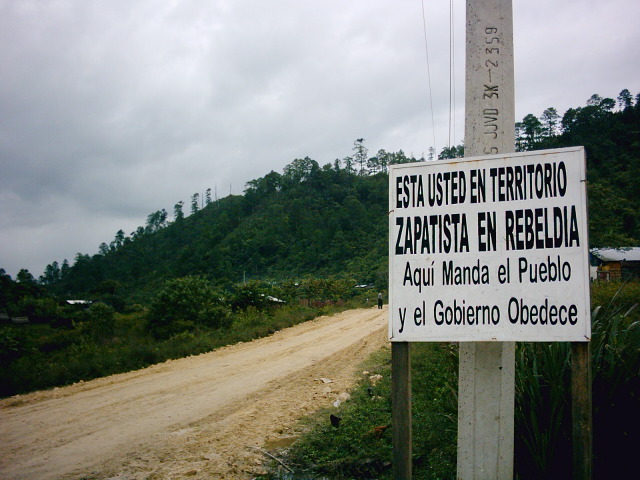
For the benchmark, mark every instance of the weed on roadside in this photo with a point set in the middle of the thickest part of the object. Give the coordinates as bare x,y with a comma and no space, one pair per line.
355,439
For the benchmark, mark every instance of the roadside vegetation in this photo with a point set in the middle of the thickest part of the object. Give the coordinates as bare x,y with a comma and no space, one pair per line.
187,317
361,445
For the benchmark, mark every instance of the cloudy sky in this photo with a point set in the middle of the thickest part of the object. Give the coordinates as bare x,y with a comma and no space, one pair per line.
113,109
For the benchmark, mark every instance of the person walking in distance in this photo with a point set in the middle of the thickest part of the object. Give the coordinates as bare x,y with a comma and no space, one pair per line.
380,300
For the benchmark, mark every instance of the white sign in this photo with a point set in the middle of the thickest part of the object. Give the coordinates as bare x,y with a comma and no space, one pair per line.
490,248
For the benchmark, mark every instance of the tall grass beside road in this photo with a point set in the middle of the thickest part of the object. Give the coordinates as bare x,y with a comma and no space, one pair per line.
359,445
543,401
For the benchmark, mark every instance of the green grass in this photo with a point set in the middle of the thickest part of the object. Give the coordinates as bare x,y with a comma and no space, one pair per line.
359,449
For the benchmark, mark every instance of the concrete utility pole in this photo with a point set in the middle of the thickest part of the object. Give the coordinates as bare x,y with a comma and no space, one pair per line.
487,369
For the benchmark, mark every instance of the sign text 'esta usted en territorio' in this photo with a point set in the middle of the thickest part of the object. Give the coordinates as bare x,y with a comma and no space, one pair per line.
490,248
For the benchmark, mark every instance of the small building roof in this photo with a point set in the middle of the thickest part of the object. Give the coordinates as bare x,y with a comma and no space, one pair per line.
624,254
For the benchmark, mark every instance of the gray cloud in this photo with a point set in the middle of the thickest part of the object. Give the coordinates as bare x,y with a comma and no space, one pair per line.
112,110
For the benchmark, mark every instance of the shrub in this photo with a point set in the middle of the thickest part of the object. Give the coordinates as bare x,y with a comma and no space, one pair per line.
361,447
115,301
99,321
249,295
185,304
40,310
11,346
615,360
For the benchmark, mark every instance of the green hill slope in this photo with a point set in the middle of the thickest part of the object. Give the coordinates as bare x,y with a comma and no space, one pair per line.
306,221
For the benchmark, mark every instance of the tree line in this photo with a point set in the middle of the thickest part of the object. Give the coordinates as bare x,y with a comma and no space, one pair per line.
608,129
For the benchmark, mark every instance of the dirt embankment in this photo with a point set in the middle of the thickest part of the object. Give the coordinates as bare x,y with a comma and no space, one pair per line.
198,417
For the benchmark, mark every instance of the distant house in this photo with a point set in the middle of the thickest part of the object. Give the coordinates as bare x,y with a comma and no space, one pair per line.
615,263
79,302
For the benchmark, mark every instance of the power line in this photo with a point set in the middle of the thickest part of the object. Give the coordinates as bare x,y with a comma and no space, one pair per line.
426,49
452,94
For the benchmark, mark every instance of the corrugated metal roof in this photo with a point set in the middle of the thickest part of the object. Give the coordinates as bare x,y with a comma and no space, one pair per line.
626,254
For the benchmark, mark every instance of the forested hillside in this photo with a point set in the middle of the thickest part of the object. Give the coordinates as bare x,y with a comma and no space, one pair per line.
610,132
331,220
309,220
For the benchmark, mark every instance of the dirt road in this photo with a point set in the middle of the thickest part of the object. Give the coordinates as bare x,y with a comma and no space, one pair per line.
198,417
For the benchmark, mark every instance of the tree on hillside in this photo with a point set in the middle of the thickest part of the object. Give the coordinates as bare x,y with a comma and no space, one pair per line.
532,131
195,203
625,99
550,122
178,213
156,221
299,170
377,163
600,104
120,239
139,233
569,119
452,152
25,277
383,159
398,158
51,274
608,213
64,270
612,143
185,304
260,188
348,164
594,100
360,154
